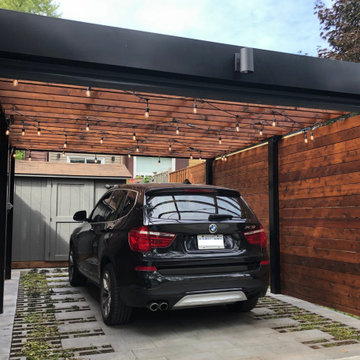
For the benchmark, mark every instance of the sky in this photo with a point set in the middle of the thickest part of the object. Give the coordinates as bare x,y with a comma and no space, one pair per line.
281,25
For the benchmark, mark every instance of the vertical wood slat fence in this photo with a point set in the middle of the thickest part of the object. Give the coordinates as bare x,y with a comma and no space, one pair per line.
319,194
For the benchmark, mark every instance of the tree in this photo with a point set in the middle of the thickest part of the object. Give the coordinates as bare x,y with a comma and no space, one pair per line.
340,27
39,7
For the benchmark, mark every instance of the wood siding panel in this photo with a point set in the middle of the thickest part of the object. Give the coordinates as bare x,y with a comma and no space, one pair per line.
320,216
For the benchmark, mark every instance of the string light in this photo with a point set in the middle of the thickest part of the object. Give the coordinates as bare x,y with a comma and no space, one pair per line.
177,130
261,130
15,82
23,130
195,107
134,135
305,138
14,155
88,91
30,156
191,156
169,147
7,132
129,155
137,148
159,162
65,142
87,127
274,121
200,158
63,153
147,110
225,158
220,140
312,135
38,129
95,160
101,140
237,126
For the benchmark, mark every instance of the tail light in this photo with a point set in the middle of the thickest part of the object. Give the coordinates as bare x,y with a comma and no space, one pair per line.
141,239
256,237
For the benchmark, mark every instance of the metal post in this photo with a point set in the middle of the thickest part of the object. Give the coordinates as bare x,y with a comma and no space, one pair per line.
273,171
209,171
3,200
10,215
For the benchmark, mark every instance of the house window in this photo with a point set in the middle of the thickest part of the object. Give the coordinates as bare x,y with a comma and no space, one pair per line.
85,160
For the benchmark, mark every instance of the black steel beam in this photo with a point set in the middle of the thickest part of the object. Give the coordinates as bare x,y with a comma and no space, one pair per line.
209,171
10,214
273,171
47,49
3,203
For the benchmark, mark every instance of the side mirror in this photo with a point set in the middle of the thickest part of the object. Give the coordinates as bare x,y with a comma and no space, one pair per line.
80,215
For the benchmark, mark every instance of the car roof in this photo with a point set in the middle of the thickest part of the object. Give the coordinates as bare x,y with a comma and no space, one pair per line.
152,186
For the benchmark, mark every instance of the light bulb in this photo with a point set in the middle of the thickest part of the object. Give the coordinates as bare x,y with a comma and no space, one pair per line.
220,140
177,130
14,155
15,82
169,147
195,107
261,130
23,131
101,140
137,148
30,156
38,131
7,132
191,156
274,121
147,110
87,127
159,162
129,156
312,135
88,91
237,126
134,135
305,138
63,154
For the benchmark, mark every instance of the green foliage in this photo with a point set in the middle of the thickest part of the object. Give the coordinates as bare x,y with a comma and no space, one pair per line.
39,7
19,154
340,27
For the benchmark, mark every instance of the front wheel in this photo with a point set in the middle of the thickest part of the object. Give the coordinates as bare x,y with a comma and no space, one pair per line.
242,306
75,277
113,310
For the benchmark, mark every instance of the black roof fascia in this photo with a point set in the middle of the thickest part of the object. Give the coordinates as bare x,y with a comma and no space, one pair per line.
41,48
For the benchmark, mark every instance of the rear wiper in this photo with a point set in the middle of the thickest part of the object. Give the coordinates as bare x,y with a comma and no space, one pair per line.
220,217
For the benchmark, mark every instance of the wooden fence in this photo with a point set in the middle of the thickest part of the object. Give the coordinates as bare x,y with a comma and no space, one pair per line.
195,174
319,193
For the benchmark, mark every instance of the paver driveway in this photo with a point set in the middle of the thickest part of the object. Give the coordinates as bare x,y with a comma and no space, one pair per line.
279,328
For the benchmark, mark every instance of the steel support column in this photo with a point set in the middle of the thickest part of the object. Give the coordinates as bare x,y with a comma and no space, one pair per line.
273,170
10,214
209,171
3,202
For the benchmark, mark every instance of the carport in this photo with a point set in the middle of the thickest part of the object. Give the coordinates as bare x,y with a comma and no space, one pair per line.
70,86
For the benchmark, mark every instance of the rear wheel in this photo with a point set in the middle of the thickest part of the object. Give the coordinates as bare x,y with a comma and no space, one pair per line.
113,310
242,306
75,277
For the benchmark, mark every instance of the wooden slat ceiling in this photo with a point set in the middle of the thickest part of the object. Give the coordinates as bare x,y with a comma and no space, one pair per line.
114,115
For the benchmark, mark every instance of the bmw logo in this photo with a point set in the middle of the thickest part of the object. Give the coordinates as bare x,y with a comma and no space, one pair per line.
213,228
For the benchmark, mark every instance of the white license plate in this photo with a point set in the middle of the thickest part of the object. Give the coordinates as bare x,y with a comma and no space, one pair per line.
208,242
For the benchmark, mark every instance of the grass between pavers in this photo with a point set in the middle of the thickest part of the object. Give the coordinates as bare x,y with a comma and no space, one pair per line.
341,334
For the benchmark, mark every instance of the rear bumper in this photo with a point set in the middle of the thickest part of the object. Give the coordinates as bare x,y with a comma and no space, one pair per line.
152,286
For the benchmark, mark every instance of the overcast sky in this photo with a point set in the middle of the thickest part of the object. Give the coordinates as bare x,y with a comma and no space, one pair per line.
281,25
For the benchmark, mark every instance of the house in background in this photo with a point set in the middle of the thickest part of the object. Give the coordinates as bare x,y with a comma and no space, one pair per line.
138,166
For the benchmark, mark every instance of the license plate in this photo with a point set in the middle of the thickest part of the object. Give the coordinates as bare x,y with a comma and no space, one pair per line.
208,242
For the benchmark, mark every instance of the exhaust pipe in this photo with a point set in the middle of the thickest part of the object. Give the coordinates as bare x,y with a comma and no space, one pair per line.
153,306
163,306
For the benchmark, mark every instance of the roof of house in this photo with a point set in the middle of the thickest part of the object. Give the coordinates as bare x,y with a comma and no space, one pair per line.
53,169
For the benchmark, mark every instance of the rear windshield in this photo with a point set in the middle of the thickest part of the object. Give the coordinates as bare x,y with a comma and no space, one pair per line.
194,206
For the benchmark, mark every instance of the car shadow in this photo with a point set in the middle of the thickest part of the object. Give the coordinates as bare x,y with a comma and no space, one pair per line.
185,320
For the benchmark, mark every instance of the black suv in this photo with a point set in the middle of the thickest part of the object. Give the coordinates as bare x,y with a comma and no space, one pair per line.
170,246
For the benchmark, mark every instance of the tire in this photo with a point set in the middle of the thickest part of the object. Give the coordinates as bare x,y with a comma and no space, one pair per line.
75,277
113,310
242,306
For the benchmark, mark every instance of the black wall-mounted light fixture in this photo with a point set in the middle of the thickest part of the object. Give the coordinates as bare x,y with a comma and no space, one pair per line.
244,61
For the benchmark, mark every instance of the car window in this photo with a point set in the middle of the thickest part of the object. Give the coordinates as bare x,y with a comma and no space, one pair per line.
126,200
194,206
103,209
